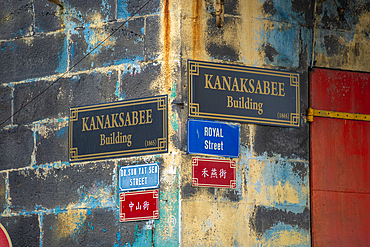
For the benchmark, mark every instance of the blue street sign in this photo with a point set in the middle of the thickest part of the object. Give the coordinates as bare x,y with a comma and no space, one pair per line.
139,177
213,138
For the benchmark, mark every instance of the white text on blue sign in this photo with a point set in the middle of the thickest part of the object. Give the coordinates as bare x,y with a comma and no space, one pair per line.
137,177
213,138
213,132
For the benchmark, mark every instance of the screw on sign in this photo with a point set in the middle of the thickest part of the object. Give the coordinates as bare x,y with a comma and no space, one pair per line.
4,237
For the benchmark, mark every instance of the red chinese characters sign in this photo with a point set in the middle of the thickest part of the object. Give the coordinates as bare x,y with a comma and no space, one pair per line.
143,205
214,173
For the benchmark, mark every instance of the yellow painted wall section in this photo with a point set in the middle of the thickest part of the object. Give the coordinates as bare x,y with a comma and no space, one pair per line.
240,30
226,217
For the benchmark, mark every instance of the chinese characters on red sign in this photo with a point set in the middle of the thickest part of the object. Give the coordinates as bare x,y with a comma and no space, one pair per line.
143,205
214,173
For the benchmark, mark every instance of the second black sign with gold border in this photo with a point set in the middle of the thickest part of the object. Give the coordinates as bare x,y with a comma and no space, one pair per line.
243,94
119,129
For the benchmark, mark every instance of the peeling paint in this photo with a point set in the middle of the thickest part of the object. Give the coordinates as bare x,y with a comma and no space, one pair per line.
122,9
94,34
97,196
282,235
174,122
70,223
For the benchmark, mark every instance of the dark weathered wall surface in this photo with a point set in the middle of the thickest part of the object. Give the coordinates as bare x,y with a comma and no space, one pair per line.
47,201
342,35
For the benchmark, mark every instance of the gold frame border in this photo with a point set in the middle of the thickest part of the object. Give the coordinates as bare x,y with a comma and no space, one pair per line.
162,143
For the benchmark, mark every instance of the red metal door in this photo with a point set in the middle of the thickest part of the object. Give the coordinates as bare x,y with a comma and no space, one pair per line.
340,166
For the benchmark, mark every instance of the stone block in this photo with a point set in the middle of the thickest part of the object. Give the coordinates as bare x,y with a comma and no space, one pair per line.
16,19
16,145
52,143
23,230
88,89
78,90
47,16
126,44
43,105
136,81
33,57
88,185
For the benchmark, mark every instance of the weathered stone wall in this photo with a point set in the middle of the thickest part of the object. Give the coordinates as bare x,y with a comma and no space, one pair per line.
47,201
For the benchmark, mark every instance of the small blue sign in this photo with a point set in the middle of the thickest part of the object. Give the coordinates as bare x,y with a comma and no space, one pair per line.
213,138
139,177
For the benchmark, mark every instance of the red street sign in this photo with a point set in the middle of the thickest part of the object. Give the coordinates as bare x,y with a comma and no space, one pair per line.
143,205
214,173
4,237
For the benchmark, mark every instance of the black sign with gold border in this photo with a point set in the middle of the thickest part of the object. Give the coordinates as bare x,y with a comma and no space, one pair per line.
119,129
243,94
